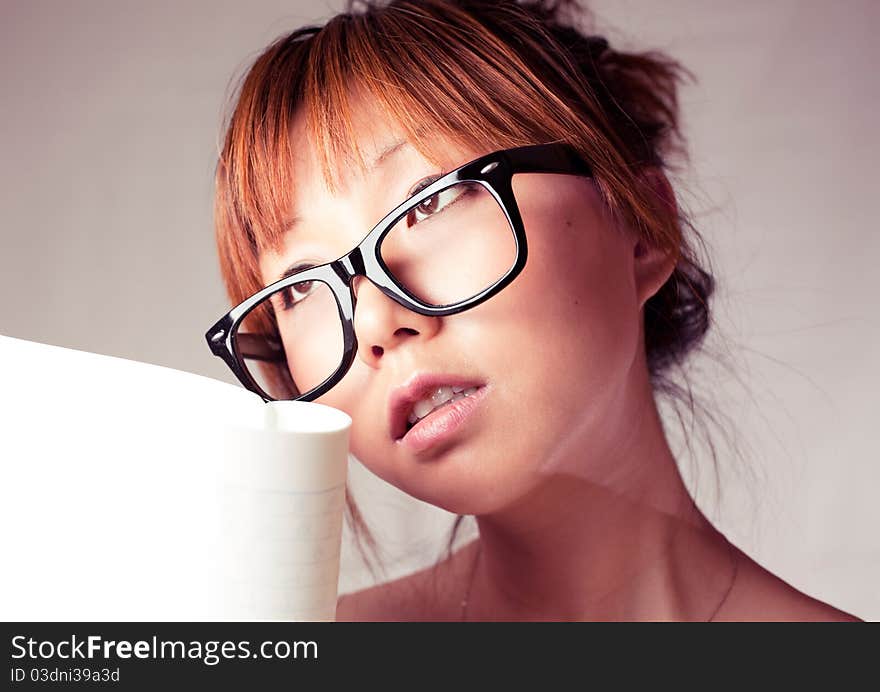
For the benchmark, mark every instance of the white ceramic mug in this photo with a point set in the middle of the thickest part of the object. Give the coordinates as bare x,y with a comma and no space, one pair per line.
283,499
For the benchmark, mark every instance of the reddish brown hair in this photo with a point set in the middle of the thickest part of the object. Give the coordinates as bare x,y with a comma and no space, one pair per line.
484,74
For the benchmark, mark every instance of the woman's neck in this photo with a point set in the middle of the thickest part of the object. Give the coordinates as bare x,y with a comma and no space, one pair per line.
611,534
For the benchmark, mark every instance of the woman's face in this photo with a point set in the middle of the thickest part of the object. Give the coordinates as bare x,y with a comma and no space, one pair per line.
554,349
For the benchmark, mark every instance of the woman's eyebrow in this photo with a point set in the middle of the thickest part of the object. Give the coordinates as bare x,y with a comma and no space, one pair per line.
386,153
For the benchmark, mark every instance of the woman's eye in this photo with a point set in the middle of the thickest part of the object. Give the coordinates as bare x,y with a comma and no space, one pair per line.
422,184
433,205
296,293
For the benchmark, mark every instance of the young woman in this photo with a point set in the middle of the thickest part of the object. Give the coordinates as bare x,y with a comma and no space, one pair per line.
450,219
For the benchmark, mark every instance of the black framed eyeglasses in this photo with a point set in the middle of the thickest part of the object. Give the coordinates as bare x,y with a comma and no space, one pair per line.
451,246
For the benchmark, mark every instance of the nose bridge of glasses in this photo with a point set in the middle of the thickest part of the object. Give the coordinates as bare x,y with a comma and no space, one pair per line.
350,266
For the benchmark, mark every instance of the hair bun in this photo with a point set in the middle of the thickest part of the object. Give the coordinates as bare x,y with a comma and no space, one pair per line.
597,45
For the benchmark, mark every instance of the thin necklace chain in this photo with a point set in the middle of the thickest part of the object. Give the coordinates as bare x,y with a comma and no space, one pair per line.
735,562
464,601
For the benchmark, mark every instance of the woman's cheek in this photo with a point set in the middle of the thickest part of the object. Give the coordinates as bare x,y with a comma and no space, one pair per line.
367,433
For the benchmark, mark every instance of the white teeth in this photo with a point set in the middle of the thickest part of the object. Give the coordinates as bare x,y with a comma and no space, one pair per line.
422,408
440,396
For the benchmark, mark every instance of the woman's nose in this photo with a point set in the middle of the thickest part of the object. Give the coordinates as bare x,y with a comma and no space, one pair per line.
382,324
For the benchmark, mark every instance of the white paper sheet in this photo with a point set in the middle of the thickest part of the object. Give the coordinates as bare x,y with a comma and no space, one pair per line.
130,491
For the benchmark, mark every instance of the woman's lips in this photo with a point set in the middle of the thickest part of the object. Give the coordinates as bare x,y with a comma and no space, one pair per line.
420,385
442,423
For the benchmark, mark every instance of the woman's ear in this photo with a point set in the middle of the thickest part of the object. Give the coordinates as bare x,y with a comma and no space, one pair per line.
653,265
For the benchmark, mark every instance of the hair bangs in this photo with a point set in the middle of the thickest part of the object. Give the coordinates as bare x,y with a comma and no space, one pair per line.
432,79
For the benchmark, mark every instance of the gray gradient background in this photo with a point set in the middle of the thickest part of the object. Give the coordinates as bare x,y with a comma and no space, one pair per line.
108,133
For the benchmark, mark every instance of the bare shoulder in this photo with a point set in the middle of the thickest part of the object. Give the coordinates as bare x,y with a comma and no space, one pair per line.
366,605
428,595
387,602
759,595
